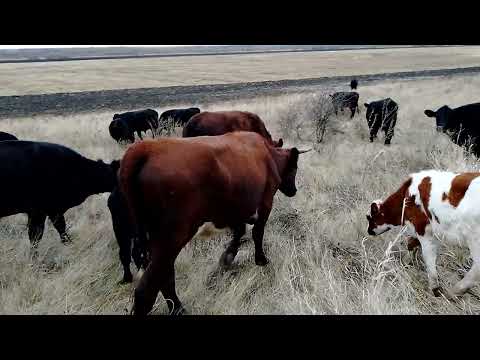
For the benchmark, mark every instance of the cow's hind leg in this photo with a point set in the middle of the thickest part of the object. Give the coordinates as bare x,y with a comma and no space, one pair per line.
58,221
257,234
159,276
36,226
472,277
232,249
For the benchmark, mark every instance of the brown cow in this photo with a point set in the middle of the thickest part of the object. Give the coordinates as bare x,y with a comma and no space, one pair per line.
172,186
221,122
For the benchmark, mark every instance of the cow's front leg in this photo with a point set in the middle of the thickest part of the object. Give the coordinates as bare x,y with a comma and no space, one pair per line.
429,253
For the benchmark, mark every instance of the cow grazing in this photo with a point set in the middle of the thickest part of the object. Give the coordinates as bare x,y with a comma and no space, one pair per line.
228,180
123,126
341,100
462,124
382,114
221,122
180,116
436,206
6,136
353,84
43,179
125,234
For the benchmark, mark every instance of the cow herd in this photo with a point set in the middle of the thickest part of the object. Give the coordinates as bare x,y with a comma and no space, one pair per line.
225,169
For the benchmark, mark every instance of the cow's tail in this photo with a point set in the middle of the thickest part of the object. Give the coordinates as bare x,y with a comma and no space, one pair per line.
131,165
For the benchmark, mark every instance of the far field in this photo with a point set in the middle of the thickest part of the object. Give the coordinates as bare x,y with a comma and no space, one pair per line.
77,76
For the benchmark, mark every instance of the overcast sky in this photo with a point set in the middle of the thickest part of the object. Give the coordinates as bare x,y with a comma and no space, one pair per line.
78,46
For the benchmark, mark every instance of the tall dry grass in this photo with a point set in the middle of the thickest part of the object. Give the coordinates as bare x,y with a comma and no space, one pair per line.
322,261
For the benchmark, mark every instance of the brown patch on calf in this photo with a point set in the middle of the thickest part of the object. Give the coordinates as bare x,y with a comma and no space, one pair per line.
459,187
415,215
424,190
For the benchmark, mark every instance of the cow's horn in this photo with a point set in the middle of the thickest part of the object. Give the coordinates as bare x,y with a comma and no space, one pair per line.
304,151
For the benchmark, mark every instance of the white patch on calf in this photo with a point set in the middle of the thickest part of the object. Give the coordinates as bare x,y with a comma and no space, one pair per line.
207,230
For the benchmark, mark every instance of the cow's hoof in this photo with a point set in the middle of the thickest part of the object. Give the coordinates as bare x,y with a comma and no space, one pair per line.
227,259
261,260
387,143
127,279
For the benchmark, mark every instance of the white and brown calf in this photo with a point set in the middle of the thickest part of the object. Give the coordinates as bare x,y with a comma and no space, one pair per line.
437,207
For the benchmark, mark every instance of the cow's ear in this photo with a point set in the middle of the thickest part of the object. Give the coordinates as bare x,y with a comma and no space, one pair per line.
366,105
280,143
374,209
430,113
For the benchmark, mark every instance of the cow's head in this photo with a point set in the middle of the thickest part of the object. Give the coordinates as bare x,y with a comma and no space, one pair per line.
377,221
442,116
287,185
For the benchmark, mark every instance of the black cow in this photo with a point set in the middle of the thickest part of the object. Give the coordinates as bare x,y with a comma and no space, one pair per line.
125,234
382,114
353,84
6,136
341,100
43,179
461,124
123,126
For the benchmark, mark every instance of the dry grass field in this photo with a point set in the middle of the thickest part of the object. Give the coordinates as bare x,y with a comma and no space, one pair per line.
73,76
322,260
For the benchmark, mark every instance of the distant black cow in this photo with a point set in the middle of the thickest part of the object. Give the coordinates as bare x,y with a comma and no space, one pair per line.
123,126
43,179
6,136
461,124
341,100
353,84
382,114
125,234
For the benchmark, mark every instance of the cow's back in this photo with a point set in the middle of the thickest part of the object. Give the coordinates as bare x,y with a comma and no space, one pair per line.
222,122
469,116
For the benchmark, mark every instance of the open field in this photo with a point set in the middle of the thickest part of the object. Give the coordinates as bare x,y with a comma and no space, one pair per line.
322,261
76,76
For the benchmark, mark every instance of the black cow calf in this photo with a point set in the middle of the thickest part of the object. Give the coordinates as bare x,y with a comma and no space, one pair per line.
341,100
43,179
382,114
180,116
462,124
123,126
6,136
125,234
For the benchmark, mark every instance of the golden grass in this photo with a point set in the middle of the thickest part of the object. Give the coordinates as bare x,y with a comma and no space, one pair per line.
72,76
322,261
